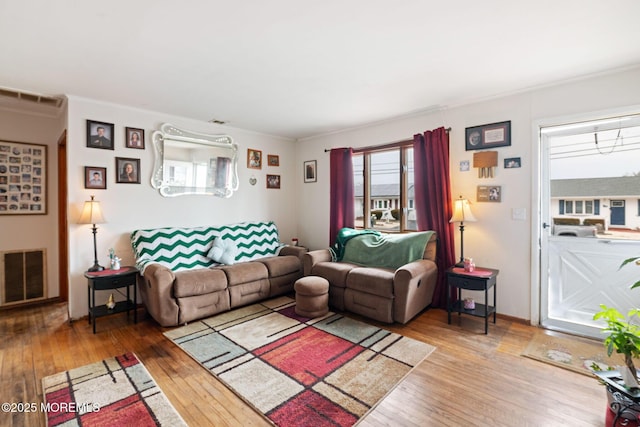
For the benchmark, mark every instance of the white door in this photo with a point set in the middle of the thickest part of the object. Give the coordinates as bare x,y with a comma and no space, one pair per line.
580,164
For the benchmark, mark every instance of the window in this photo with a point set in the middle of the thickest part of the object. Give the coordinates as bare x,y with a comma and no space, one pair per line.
384,193
580,207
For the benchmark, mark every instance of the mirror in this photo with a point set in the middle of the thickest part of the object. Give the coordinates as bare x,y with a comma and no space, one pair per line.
194,163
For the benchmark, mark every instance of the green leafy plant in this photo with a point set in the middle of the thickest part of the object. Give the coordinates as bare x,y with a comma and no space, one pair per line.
623,335
627,261
623,332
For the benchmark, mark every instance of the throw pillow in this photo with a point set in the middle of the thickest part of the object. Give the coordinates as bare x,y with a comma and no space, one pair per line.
223,251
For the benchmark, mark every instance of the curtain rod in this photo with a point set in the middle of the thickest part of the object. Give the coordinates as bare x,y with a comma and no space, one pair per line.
382,147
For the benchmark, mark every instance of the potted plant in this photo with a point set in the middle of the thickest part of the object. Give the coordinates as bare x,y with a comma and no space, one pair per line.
623,336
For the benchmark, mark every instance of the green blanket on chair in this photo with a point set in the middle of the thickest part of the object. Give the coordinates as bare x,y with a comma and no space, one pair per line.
385,250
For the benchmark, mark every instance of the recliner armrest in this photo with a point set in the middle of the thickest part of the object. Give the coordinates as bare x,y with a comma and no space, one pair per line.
311,258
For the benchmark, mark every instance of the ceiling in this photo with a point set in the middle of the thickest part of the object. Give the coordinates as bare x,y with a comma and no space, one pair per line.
298,68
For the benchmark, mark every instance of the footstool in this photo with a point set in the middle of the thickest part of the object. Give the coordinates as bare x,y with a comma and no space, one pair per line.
312,296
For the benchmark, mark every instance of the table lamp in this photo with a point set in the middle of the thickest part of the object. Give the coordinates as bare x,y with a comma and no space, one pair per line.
92,214
462,213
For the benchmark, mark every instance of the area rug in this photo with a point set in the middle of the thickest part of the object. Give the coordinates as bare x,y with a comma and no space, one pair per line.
577,354
297,371
114,392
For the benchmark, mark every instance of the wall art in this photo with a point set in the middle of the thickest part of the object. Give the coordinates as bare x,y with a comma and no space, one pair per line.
489,193
95,177
127,170
512,162
134,138
99,135
23,178
273,160
254,159
273,181
488,136
309,170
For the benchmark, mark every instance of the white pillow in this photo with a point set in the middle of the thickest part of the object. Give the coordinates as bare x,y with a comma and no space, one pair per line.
223,251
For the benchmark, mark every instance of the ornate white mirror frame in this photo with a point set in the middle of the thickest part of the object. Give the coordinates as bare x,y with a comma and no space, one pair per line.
189,162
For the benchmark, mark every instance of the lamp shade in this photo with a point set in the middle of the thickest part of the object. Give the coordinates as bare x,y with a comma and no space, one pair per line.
462,211
91,213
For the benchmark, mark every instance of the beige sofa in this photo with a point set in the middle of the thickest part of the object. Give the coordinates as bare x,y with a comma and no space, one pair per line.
181,283
381,293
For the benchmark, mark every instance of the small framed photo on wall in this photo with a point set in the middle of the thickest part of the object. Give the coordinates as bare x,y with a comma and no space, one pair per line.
95,177
99,135
273,181
254,159
273,160
127,170
489,193
309,169
134,138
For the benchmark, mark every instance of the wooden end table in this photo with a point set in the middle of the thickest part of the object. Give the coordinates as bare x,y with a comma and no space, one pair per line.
107,280
481,279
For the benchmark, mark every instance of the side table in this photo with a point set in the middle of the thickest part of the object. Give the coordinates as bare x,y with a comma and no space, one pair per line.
106,280
481,279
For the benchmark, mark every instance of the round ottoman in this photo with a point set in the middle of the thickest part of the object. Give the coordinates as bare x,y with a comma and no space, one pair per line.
312,296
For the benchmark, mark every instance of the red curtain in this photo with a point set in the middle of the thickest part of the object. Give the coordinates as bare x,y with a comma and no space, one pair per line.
433,200
341,193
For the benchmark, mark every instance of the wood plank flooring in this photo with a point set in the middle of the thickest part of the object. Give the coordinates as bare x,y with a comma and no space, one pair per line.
471,379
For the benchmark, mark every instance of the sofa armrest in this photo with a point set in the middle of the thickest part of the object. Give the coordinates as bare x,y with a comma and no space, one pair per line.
311,258
156,290
414,284
298,251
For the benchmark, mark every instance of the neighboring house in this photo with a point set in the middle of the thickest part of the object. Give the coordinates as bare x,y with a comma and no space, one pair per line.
614,200
383,197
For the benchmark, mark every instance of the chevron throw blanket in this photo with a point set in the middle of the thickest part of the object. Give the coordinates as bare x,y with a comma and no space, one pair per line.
187,248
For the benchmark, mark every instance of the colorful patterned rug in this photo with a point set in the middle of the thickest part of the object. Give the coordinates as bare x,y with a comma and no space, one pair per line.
571,352
296,371
115,392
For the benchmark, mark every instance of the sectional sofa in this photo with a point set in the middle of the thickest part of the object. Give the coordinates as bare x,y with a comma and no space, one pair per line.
191,273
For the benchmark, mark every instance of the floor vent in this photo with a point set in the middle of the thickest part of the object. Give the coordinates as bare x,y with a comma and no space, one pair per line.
23,276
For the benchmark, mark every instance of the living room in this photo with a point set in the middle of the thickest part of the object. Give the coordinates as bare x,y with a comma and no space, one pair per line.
300,209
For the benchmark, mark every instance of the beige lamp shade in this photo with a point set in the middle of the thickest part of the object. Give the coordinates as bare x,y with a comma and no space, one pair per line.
462,211
91,213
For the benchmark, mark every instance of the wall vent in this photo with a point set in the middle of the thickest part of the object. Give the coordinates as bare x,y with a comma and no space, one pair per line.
23,276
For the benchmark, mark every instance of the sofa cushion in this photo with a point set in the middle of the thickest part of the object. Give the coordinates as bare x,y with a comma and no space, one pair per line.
198,282
376,281
244,272
334,272
281,265
223,251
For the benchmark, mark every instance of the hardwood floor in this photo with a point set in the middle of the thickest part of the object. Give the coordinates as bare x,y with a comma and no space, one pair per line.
471,378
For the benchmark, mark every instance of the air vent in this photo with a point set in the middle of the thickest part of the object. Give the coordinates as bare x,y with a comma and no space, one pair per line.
50,101
23,276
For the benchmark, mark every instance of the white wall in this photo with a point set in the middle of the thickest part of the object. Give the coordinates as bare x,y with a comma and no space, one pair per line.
131,206
496,240
21,232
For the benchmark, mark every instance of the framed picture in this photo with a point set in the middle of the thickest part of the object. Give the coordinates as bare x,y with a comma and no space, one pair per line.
309,169
273,160
512,162
254,159
273,181
95,177
99,135
134,138
489,193
23,178
127,170
488,136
